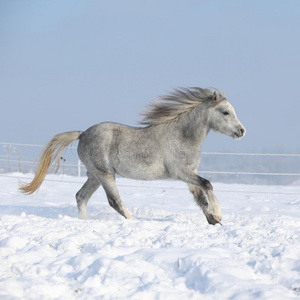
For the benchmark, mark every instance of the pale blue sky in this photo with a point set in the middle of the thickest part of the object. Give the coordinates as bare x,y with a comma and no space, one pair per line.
67,65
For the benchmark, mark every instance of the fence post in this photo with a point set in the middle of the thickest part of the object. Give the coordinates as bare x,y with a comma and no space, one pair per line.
20,162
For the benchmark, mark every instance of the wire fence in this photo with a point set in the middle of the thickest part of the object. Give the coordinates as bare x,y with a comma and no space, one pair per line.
249,168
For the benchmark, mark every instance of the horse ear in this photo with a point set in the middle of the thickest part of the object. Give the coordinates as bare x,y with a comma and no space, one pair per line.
214,96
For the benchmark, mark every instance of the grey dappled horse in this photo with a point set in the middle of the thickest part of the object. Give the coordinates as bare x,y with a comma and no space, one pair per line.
168,146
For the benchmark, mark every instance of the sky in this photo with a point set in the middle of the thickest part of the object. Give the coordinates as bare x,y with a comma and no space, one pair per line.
69,64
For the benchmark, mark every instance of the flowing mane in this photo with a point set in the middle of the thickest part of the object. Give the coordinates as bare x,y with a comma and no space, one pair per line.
180,101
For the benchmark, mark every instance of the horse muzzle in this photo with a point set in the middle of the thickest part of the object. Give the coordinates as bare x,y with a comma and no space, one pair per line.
240,133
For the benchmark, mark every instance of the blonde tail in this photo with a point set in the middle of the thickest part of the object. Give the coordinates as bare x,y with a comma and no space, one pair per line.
51,153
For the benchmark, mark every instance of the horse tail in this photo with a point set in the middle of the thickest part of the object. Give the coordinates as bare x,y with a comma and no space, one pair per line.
51,153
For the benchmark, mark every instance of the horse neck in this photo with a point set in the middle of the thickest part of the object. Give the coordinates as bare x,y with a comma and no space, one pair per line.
200,128
193,127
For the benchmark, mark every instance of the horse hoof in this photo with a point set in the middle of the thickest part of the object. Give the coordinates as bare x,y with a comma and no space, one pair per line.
213,220
129,217
218,219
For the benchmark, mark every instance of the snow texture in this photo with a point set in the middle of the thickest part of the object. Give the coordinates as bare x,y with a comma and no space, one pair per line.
167,252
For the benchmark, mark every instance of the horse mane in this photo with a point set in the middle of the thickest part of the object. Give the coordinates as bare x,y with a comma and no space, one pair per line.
180,101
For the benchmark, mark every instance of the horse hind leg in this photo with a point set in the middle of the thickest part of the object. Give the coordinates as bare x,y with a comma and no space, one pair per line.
84,195
109,184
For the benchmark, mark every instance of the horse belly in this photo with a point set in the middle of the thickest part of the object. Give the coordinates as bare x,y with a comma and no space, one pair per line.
142,171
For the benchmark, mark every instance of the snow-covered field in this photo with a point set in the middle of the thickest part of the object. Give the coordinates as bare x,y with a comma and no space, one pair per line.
168,252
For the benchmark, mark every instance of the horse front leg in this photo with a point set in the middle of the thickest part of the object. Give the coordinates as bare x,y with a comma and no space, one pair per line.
204,195
209,204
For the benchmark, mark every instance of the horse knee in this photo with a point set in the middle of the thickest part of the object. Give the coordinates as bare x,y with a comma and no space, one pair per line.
206,184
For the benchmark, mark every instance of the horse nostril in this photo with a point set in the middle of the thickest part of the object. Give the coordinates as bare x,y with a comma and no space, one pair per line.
242,131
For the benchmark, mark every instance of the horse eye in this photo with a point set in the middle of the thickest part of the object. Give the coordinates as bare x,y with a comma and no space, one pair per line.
225,113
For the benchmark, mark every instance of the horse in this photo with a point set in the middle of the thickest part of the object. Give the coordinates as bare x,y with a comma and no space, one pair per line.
166,146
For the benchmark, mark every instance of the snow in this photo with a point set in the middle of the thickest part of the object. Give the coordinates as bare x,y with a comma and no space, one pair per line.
167,252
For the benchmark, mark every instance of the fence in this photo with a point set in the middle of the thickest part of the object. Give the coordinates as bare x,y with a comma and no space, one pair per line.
250,168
